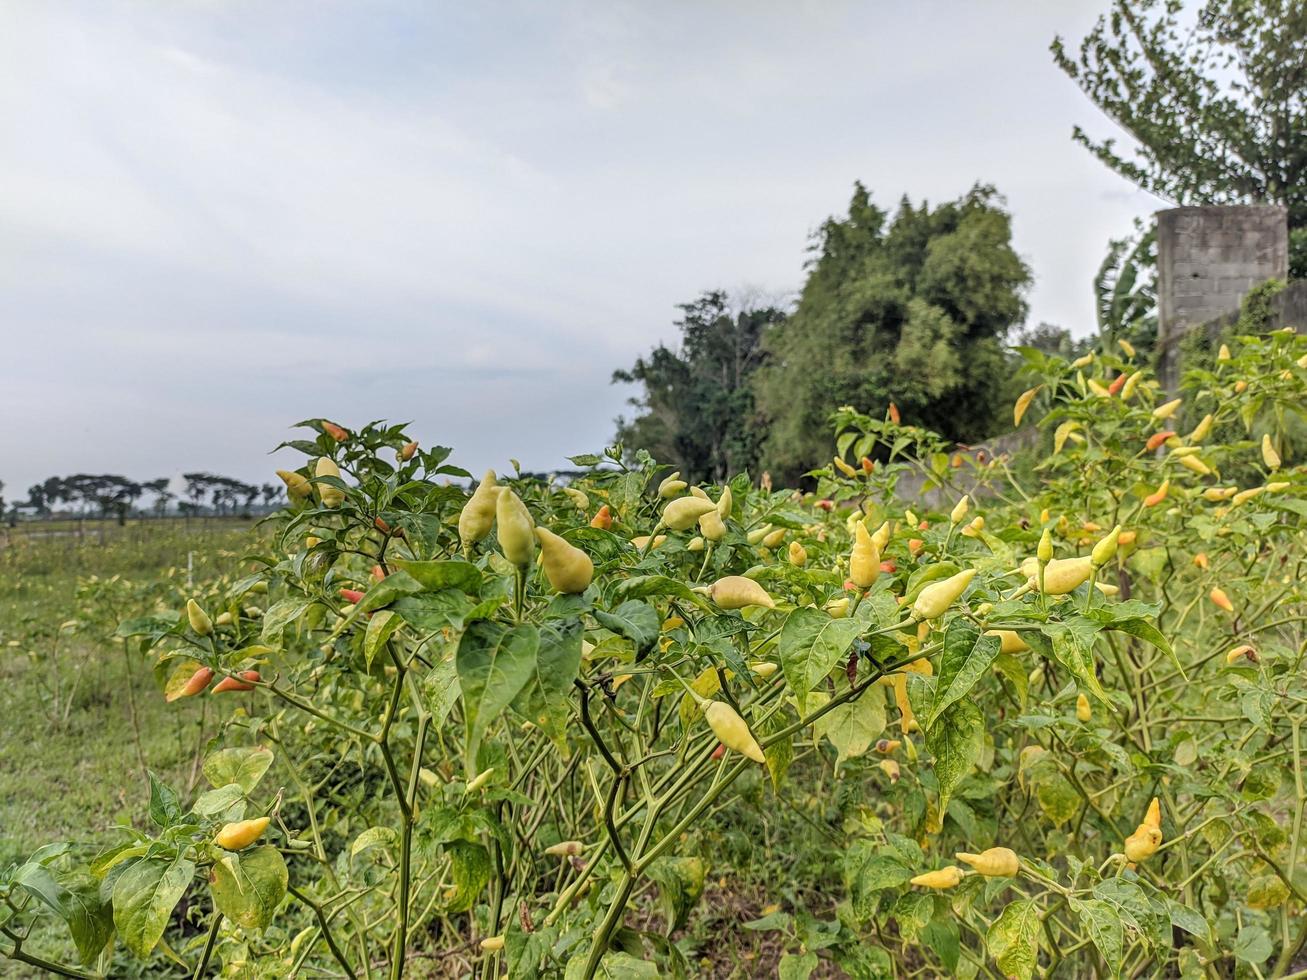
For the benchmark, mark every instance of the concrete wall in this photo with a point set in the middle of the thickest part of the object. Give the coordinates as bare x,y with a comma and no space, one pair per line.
1207,258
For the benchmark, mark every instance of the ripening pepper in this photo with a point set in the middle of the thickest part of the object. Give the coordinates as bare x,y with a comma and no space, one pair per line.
764,668
1201,430
868,465
974,527
645,542
844,467
671,486
1158,439
943,878
1240,386
1105,550
578,497
1023,403
331,496
1131,383
223,619
335,431
1044,551
758,533
1126,347
996,862
492,944
567,848
1158,495
1097,390
695,544
887,746
568,568
711,525
891,769
798,555
893,413
1216,494
1163,412
297,485
725,502
1269,456
699,492
774,538
732,730
197,682
864,559
1244,652
478,514
935,599
1224,353
1063,575
880,537
684,512
516,529
351,595
603,518
241,682
241,834
198,618
1196,465
1221,600
407,450
1083,711
1010,641
959,511
479,780
736,592
1245,495
1143,843
1118,384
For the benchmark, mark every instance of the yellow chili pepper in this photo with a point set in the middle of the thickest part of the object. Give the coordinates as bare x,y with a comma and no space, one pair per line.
996,862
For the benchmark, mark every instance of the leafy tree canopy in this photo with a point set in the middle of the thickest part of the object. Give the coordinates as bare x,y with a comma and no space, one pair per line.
1216,105
911,310
697,407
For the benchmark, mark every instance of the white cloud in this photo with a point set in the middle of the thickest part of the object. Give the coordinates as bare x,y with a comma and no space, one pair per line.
226,216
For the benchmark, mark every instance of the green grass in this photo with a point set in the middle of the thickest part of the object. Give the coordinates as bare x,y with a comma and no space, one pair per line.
80,710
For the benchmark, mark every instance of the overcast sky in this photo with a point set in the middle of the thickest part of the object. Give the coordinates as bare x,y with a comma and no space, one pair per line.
219,217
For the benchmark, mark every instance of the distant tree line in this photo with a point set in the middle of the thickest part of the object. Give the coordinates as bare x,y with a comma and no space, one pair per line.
915,309
108,495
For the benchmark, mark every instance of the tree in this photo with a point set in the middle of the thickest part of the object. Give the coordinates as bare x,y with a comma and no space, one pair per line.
1125,289
697,408
1216,109
911,312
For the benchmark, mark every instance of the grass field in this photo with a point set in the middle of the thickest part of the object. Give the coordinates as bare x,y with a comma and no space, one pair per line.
81,713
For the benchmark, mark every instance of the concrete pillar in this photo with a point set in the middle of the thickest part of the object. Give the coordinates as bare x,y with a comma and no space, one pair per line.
1208,257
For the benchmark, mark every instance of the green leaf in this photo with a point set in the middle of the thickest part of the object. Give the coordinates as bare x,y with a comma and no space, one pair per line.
372,837
811,644
636,620
279,615
792,967
1014,671
242,766
643,586
1192,922
224,804
90,920
1013,939
956,741
1057,798
494,663
434,576
853,726
1149,633
966,657
1103,925
143,899
440,689
37,881
248,886
1073,644
545,700
164,806
680,886
1252,945
470,868
380,628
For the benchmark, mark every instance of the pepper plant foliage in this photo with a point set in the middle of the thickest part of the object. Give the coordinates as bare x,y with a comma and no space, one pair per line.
453,758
